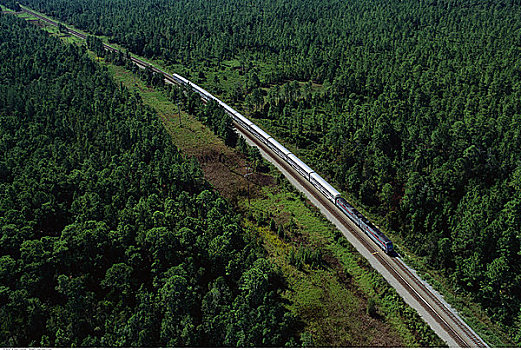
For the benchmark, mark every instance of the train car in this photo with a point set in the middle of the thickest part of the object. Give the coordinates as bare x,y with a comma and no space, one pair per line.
299,166
229,109
205,93
259,133
351,212
282,151
316,180
378,237
345,207
324,187
176,78
375,234
202,92
181,79
242,120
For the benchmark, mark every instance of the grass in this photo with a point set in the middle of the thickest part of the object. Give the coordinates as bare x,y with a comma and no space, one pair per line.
223,166
331,298
330,308
26,16
188,134
470,311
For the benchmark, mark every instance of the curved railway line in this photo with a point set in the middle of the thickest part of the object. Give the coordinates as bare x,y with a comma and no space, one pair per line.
460,333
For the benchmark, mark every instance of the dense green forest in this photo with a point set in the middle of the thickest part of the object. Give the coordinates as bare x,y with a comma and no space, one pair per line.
108,235
413,107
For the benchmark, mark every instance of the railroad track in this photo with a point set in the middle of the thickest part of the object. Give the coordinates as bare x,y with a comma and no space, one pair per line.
442,315
476,340
82,36
396,267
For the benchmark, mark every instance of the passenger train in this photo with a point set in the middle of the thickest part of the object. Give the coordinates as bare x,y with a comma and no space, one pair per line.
302,168
316,180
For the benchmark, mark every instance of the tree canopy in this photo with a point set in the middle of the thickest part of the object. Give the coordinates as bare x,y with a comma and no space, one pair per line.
108,235
412,107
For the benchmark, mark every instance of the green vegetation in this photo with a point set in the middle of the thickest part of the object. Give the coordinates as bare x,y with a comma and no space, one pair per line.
336,301
411,107
327,277
10,5
109,236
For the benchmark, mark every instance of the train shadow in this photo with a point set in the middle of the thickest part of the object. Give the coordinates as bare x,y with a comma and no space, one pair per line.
394,254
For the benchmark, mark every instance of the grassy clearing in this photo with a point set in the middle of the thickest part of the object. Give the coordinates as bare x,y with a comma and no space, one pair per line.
50,29
224,168
333,298
187,132
26,16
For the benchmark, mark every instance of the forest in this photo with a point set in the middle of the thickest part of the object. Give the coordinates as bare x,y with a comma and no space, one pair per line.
412,107
108,235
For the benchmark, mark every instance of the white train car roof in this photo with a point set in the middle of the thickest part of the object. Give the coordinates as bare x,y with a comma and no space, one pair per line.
334,193
205,92
183,79
234,112
228,108
241,117
176,78
194,86
301,164
199,89
277,145
260,131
